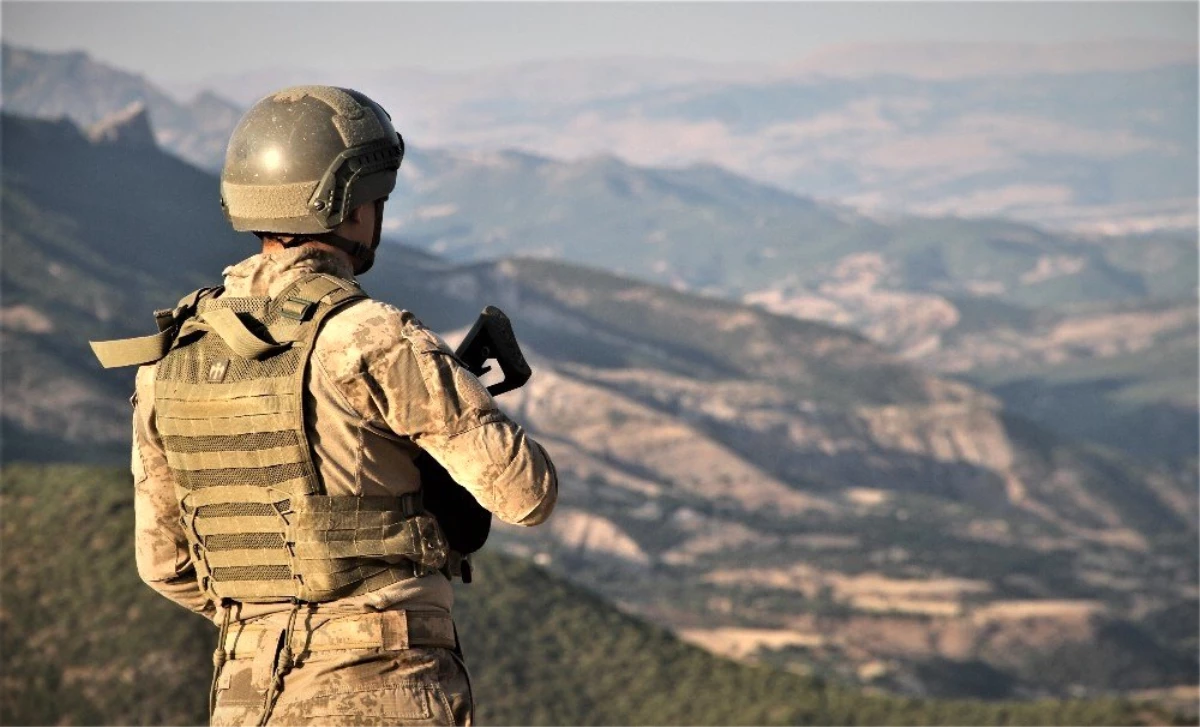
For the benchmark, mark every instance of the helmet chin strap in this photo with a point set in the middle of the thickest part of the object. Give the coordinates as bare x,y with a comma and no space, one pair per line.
362,254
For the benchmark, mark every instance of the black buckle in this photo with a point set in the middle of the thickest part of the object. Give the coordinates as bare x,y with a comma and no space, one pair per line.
411,504
164,319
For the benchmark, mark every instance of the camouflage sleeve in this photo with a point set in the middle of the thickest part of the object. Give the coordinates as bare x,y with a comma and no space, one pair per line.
400,375
163,559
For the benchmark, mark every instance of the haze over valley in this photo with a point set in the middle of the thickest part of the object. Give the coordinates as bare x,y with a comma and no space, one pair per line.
801,421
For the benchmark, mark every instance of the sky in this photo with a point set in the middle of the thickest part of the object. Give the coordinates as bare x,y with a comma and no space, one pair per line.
189,41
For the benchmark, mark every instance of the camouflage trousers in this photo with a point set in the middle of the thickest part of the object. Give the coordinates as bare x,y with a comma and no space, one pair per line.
331,686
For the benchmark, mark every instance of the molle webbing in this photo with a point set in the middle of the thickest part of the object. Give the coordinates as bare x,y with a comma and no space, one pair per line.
339,546
229,400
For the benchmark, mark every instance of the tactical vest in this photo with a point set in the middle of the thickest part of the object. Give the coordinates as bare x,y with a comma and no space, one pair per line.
229,396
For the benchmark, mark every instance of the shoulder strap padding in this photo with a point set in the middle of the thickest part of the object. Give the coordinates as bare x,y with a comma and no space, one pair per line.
241,340
298,302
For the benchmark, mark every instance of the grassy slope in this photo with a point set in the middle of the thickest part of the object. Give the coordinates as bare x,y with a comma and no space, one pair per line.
85,642
1143,403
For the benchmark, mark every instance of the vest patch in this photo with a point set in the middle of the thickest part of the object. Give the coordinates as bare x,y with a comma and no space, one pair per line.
217,371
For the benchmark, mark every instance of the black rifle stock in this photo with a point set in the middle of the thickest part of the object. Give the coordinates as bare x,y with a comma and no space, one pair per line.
492,337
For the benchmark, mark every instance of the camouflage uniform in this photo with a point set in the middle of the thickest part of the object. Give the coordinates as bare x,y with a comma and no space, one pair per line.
379,389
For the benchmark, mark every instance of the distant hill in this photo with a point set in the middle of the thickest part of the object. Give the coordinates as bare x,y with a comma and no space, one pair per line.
85,642
942,60
711,230
771,488
963,297
80,88
983,299
1098,151
1097,137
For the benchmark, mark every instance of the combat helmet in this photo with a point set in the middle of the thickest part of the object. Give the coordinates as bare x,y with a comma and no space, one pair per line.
302,158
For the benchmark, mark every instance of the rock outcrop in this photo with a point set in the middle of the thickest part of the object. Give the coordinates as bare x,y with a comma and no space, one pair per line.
129,127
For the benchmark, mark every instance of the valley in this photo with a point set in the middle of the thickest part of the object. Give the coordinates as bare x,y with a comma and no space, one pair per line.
939,457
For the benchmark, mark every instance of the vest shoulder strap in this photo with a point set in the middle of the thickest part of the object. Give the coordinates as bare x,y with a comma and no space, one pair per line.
132,351
240,339
298,302
144,350
299,299
295,305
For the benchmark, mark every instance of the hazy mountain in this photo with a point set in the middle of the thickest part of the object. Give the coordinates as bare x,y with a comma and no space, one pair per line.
934,60
935,291
75,86
768,487
568,79
1097,137
709,229
572,79
1069,150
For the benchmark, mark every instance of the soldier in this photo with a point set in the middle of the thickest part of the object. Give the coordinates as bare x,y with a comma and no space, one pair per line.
276,423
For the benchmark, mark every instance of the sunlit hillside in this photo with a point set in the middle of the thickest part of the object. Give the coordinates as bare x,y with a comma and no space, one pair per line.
85,642
773,489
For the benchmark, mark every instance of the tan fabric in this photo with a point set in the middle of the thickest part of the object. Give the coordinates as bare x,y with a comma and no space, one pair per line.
355,687
380,388
261,201
389,630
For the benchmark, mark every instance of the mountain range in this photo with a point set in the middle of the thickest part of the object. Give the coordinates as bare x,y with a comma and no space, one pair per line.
1061,327
1090,336
74,86
771,488
1088,136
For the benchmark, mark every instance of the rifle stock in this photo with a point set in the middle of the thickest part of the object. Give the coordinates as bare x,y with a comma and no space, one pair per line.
492,337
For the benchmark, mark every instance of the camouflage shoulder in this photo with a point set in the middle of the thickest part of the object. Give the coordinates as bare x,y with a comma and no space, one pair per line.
421,338
369,329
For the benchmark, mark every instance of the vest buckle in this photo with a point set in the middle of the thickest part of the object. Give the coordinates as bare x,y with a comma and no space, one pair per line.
297,309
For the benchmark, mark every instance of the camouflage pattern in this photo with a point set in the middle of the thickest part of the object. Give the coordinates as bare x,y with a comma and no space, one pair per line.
380,388
352,687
